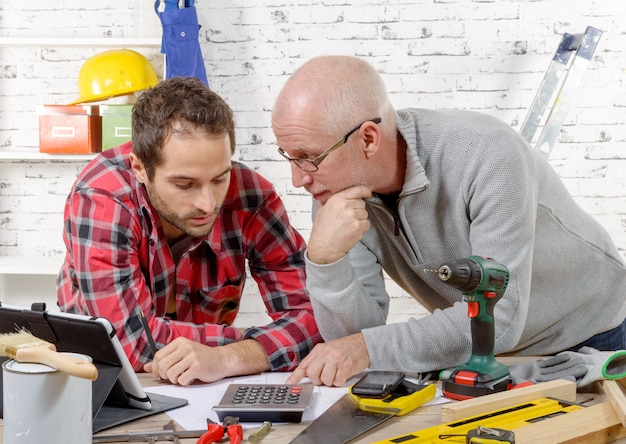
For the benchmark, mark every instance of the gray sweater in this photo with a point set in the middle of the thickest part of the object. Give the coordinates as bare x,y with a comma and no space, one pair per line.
472,187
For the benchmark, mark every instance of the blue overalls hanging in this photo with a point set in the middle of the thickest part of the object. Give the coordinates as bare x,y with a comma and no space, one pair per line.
180,44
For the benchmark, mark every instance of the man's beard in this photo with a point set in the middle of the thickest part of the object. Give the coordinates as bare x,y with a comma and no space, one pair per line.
179,222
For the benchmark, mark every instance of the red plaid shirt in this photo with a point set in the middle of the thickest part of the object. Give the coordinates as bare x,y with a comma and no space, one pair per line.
118,259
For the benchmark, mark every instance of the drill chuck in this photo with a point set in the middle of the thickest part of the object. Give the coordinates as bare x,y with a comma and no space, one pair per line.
473,274
464,274
444,272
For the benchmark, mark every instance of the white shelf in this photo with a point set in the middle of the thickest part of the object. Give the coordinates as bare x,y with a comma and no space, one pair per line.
24,280
30,265
36,155
81,41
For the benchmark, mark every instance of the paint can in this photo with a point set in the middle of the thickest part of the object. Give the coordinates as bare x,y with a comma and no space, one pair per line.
42,405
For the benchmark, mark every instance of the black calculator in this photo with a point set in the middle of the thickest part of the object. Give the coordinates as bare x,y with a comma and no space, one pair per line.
265,402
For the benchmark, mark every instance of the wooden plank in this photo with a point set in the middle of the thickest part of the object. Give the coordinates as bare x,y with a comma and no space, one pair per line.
591,425
614,392
560,389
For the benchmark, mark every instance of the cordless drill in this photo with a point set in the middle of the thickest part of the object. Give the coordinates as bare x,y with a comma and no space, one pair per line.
482,281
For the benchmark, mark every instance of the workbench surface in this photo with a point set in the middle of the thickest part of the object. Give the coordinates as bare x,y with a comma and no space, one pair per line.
423,417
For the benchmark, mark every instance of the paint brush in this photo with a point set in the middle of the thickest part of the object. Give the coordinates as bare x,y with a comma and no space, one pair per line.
24,347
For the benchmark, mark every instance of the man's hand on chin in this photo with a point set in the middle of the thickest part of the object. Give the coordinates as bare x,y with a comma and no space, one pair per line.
339,225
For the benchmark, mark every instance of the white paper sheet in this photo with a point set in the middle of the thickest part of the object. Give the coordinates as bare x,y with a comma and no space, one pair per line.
202,397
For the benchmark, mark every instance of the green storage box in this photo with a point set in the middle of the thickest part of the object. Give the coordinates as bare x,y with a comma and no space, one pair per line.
116,125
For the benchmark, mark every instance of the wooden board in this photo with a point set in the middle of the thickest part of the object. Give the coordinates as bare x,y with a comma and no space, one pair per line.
614,391
560,389
597,424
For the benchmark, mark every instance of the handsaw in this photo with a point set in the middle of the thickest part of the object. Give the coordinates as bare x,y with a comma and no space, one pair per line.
351,416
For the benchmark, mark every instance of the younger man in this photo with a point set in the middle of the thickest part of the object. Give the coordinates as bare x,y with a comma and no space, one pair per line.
164,226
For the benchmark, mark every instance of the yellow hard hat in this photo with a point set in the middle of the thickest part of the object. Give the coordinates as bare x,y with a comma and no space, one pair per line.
114,73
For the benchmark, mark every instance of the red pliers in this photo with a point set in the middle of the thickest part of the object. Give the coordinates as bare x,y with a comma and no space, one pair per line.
229,427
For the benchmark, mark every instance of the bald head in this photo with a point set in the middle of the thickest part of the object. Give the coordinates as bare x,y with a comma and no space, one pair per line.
337,90
326,98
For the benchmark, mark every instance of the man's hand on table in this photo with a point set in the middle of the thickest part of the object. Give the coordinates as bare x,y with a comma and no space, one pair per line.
183,361
333,363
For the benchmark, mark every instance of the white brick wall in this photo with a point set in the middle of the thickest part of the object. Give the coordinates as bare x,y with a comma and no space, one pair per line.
484,55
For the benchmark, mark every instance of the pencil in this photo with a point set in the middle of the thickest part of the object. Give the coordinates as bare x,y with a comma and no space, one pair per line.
146,328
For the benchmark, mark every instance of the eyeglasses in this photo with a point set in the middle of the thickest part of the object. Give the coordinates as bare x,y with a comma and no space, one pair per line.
312,165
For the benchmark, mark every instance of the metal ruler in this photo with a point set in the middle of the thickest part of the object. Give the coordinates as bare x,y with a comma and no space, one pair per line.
507,419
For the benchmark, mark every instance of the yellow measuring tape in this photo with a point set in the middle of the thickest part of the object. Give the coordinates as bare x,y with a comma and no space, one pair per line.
395,404
507,419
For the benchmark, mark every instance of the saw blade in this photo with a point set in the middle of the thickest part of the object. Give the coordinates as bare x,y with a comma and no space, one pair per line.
342,422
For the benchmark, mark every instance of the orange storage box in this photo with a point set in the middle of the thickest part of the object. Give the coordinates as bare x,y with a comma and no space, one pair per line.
70,129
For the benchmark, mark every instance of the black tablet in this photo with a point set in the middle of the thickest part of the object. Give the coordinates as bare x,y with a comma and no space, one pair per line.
117,390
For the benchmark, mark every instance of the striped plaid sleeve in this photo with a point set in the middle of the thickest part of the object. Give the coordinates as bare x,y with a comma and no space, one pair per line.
107,275
276,262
